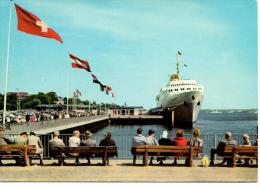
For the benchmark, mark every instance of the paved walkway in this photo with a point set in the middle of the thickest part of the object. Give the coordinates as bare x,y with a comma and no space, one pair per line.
123,171
45,127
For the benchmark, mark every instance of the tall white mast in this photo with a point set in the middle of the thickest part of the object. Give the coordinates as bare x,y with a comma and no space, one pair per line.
7,60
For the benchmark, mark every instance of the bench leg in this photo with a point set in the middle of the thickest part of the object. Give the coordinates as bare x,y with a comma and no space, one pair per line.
26,159
30,161
134,160
103,161
212,156
61,161
145,162
234,161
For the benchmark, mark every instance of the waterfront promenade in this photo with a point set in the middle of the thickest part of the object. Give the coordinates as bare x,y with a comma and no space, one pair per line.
45,127
123,171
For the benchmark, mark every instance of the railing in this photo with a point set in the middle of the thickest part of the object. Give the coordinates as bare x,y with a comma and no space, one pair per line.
124,142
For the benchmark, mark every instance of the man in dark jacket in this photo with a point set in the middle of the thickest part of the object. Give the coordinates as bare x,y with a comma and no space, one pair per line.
228,141
88,141
108,141
164,140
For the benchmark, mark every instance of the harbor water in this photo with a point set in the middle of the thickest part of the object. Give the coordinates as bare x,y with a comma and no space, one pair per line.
213,125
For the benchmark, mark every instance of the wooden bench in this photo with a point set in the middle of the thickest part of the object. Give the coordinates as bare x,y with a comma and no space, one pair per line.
235,152
13,150
100,151
164,151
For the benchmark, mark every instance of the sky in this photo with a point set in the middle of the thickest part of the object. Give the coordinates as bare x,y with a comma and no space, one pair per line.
131,46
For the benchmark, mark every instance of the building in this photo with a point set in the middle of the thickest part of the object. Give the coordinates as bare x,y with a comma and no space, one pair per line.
131,110
60,100
19,95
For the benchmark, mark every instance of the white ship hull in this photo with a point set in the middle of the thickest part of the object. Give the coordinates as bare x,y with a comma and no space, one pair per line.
186,106
184,97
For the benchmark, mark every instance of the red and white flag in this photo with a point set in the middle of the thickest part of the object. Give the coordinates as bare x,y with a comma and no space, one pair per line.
111,93
79,63
31,24
108,88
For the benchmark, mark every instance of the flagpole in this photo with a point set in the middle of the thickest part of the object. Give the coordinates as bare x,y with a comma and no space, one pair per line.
67,108
7,60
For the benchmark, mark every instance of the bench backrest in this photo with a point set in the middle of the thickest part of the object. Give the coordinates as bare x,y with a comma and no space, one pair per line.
89,149
86,149
167,149
17,147
229,149
246,149
241,149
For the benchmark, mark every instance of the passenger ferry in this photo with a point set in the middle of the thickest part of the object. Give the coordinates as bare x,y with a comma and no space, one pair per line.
182,96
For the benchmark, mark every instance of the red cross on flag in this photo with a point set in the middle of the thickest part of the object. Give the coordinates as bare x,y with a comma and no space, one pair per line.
79,63
31,24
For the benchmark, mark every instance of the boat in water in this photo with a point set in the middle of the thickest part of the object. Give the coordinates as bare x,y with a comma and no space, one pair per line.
183,97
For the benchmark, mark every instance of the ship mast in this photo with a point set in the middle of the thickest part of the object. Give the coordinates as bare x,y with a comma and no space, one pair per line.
177,64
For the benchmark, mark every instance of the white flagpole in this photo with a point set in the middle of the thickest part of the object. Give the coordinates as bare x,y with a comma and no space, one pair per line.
67,109
68,91
7,60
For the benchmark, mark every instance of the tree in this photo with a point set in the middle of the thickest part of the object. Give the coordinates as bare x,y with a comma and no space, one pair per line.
44,98
53,97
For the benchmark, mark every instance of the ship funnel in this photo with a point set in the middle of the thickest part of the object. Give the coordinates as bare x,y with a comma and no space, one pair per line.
174,77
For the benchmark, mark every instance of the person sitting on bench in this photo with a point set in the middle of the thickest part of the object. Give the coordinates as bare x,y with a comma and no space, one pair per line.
179,140
228,141
4,140
88,141
35,140
56,142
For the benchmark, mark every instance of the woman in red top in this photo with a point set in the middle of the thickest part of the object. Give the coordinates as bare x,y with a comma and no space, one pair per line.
180,140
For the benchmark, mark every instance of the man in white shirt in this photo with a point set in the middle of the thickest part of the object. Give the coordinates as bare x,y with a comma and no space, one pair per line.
74,141
139,139
151,140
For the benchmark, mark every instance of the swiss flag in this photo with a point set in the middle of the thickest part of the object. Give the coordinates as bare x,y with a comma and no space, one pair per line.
31,24
79,63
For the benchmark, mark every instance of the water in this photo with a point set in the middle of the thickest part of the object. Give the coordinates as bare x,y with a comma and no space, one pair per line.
212,125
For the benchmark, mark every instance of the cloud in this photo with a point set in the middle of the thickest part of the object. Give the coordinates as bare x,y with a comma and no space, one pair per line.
145,21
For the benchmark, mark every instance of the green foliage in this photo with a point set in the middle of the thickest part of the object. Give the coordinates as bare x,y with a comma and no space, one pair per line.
41,98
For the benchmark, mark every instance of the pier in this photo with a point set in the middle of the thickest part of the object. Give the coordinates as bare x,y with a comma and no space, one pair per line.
46,127
136,119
